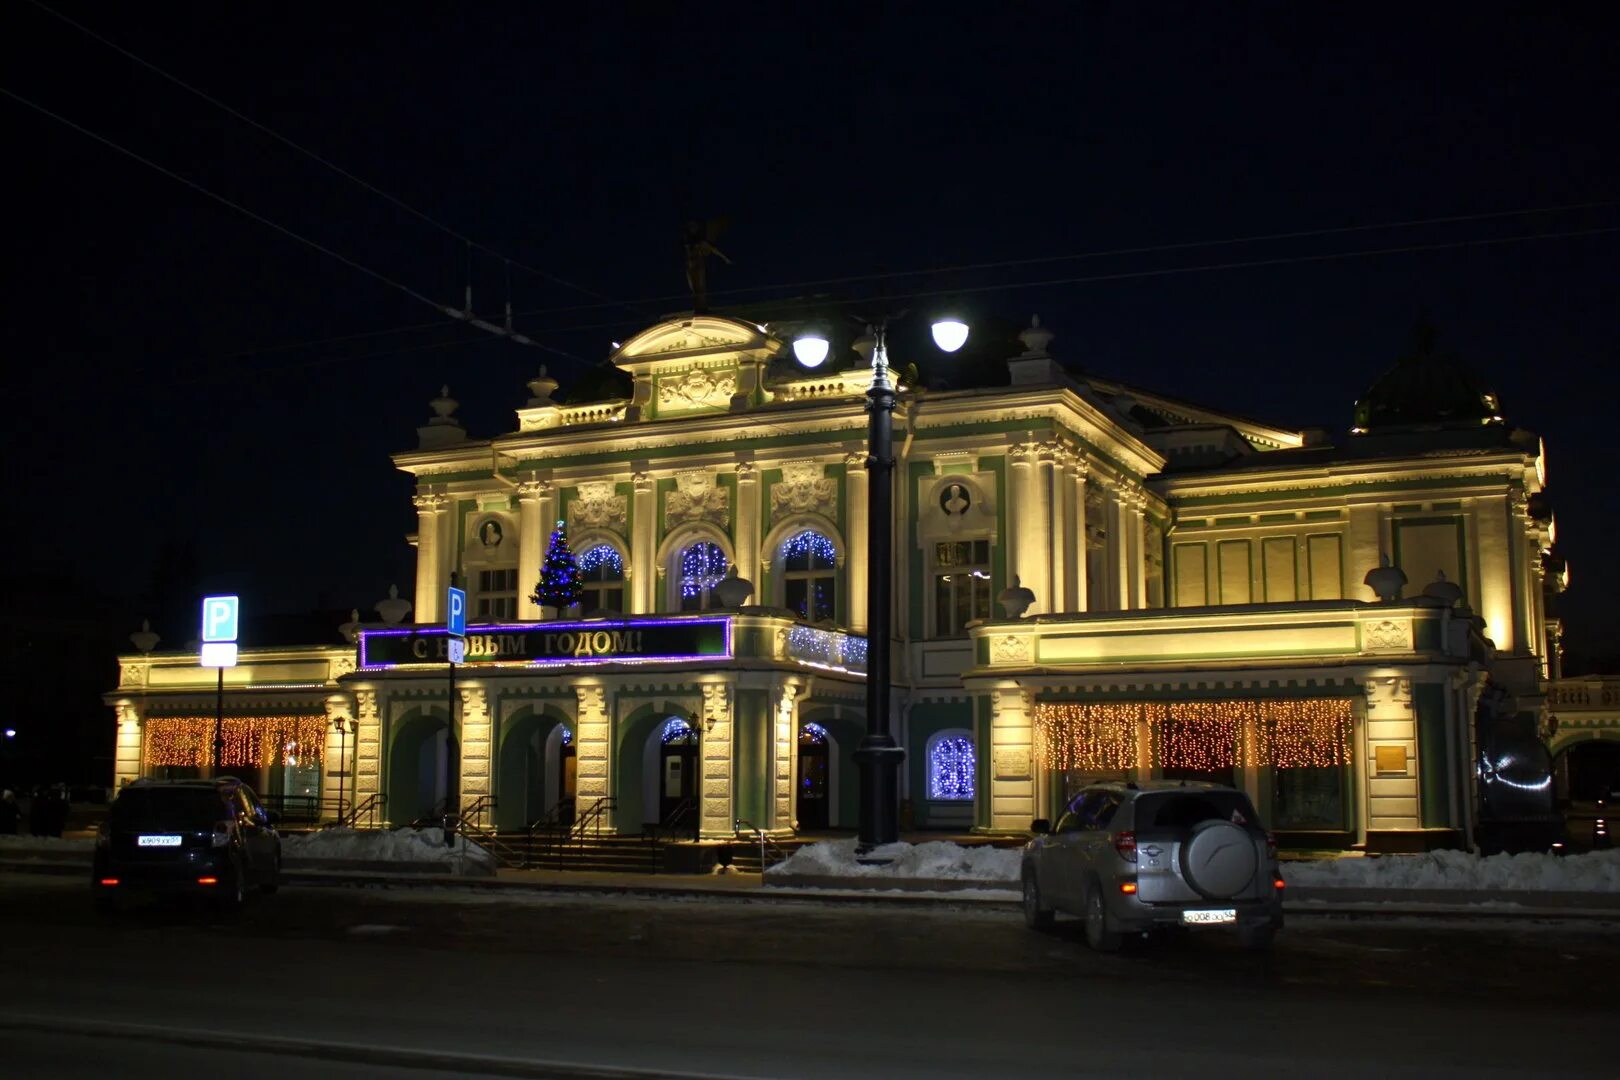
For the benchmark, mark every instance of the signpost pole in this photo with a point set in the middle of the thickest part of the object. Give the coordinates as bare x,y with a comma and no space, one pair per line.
220,615
456,626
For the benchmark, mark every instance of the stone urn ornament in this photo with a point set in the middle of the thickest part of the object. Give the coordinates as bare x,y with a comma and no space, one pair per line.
351,629
1015,599
144,639
733,591
1385,581
393,610
1444,590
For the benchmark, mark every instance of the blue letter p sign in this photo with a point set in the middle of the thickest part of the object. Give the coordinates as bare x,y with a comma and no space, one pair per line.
219,618
456,613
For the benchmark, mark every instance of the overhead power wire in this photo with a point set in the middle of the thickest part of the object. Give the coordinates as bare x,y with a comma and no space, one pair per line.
340,170
282,229
1148,249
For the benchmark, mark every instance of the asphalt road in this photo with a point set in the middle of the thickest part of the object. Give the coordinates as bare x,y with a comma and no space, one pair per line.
329,982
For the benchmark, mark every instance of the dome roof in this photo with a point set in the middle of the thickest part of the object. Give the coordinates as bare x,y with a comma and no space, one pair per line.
1425,388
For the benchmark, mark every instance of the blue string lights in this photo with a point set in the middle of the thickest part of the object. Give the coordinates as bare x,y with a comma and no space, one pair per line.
814,734
951,767
602,555
676,731
816,551
702,567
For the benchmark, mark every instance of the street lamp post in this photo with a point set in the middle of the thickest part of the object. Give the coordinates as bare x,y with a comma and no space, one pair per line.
879,756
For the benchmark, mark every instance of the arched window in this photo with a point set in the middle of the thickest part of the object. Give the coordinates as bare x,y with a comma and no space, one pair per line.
702,566
677,732
952,766
812,734
601,570
809,574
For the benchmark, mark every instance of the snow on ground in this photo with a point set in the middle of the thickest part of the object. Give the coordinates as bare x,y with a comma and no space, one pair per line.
1597,871
386,845
937,859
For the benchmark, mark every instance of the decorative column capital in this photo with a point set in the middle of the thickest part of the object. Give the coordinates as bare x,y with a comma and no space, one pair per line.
429,502
855,459
1024,453
643,482
747,472
535,489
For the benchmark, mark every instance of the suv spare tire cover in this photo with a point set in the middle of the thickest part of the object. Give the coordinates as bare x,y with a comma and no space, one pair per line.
1218,858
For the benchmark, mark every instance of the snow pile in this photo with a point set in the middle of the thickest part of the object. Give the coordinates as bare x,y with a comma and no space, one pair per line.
387,845
1597,871
935,860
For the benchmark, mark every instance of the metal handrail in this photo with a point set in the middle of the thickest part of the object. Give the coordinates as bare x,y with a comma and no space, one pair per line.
370,807
551,823
764,842
589,821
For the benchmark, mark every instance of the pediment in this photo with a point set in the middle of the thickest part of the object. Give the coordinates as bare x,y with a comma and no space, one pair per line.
693,337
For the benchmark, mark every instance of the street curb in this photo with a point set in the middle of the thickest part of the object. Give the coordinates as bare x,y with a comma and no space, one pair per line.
847,896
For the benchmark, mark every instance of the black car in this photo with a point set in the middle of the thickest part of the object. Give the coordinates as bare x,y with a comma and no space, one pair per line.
208,838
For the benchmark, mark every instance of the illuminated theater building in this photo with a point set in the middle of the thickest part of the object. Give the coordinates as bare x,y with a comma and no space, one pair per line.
1200,607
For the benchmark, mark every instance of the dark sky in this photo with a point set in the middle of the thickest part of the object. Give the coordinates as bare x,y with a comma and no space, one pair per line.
153,395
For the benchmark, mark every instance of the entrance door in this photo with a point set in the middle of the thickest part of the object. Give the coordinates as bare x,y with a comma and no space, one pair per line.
814,787
677,778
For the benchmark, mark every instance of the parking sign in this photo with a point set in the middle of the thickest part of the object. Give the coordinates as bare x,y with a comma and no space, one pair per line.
456,612
219,617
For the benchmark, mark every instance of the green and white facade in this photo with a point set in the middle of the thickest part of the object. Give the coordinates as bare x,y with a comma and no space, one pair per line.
1186,567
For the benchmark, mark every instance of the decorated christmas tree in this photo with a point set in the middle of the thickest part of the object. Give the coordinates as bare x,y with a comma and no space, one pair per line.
559,585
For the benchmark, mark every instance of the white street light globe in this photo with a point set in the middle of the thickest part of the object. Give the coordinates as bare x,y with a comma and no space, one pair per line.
950,335
810,350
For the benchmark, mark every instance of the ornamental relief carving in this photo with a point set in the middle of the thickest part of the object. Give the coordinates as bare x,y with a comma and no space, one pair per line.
803,490
697,389
339,667
133,675
696,498
598,506
1388,634
1010,650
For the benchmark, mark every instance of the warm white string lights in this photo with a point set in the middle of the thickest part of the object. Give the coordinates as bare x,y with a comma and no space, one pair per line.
1207,735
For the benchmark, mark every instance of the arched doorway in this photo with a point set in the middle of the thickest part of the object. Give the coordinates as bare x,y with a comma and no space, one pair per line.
814,790
417,757
1591,770
536,771
669,774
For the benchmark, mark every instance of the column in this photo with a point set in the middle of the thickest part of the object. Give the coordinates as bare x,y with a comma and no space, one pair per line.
1138,533
339,757
1012,761
1522,530
1031,510
367,748
643,551
1081,551
1119,552
748,537
477,774
430,579
857,566
719,816
1391,779
128,748
592,748
533,532
1058,522
784,730
1496,606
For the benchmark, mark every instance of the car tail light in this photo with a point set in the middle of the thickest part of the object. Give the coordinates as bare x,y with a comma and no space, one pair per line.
1279,884
222,834
1125,844
109,881
208,881
1128,888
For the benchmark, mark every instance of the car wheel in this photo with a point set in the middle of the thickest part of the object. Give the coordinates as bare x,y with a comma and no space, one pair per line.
273,882
1098,934
1258,936
1036,917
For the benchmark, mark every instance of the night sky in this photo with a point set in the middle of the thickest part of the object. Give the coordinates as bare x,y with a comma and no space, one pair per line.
161,391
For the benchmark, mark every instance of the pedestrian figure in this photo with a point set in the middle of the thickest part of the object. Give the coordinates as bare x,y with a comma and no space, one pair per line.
56,811
37,811
10,814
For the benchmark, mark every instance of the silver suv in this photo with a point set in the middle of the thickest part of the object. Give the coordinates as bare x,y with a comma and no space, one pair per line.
1133,858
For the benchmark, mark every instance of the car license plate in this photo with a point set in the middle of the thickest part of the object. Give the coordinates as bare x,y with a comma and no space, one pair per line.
1216,915
158,841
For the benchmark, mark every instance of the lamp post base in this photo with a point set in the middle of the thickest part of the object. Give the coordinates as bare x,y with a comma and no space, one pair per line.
879,757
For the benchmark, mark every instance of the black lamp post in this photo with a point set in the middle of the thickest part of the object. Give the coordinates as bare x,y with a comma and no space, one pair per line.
878,755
